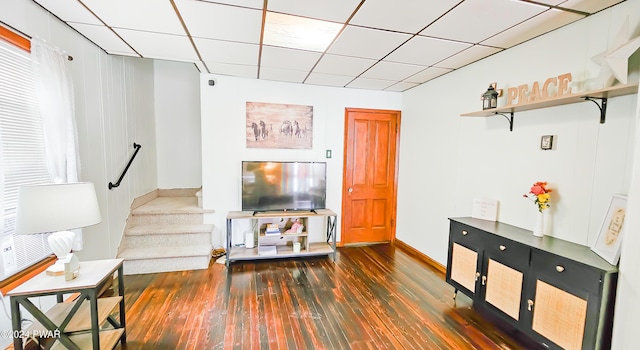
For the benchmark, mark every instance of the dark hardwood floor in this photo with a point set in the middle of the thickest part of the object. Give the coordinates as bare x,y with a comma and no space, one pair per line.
371,297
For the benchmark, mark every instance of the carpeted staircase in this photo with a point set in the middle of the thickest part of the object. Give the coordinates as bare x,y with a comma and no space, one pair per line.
166,233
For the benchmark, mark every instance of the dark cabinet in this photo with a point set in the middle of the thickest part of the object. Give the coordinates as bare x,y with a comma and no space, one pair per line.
559,293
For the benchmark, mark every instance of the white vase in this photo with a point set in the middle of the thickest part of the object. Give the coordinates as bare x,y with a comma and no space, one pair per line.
538,229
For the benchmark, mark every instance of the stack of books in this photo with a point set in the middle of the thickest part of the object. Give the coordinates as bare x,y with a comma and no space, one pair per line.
272,229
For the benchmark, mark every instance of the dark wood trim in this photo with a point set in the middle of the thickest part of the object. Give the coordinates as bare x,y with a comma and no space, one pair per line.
23,276
413,252
15,39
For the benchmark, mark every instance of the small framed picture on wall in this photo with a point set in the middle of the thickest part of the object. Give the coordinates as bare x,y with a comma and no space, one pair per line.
546,142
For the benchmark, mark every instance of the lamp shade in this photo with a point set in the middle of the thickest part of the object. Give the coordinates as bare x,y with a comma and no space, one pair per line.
56,207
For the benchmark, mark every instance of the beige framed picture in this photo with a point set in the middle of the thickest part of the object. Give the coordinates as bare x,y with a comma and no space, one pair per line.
273,125
609,242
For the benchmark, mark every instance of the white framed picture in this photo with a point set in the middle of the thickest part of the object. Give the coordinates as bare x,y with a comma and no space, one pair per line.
609,242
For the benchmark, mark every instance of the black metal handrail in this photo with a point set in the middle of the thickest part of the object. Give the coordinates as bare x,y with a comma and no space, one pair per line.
137,147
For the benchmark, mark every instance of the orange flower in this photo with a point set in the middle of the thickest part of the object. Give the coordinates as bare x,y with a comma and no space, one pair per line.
539,194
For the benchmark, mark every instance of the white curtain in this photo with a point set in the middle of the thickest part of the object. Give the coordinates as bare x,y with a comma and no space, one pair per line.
55,98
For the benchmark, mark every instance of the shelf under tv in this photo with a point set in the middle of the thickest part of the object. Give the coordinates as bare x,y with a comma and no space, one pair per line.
297,212
283,251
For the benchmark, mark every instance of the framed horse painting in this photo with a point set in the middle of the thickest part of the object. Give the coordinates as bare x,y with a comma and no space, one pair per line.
271,125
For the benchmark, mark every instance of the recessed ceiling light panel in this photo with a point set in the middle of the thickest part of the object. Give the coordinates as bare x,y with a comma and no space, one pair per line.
299,32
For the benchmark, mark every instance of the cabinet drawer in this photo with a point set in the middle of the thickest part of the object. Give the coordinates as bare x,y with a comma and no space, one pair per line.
507,251
564,272
465,234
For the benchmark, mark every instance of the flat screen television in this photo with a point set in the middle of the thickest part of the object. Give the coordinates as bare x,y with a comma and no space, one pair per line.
278,186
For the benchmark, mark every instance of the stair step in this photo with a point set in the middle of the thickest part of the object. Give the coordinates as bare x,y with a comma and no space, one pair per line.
139,230
167,240
178,192
167,219
135,267
165,252
170,205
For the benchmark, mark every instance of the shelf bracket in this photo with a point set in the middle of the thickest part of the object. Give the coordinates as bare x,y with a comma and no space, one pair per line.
509,119
602,106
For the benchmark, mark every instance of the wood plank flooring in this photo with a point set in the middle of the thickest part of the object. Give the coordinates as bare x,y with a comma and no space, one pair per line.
371,297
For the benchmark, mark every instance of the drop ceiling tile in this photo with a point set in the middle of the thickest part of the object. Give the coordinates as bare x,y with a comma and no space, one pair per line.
256,4
370,84
425,51
538,25
359,42
343,65
391,71
409,16
297,32
476,20
401,86
288,75
147,15
328,79
221,22
235,70
104,37
227,52
427,74
328,10
590,6
69,11
160,46
278,57
470,55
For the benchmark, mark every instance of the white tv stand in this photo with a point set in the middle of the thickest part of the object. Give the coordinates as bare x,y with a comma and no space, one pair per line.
285,248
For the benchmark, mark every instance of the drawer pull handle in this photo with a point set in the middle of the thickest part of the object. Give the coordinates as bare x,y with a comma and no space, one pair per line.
464,233
559,268
477,276
503,248
529,304
484,280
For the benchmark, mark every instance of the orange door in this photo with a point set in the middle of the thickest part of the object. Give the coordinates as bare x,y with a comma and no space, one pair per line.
369,182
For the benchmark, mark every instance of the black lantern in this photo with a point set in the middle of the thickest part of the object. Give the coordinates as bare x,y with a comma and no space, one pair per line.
490,98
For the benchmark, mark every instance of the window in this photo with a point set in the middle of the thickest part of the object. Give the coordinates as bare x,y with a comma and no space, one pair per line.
22,156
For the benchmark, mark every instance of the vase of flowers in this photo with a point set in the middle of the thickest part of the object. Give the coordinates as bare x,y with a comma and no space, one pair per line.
539,195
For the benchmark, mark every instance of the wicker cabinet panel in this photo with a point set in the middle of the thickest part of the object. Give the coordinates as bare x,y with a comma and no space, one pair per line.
463,266
559,316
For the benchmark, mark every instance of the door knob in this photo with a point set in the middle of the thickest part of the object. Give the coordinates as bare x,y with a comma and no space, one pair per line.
350,190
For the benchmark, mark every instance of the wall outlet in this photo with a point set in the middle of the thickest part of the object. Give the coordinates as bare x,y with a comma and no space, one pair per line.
8,257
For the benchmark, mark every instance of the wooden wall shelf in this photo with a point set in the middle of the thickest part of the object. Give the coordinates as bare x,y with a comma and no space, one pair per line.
601,94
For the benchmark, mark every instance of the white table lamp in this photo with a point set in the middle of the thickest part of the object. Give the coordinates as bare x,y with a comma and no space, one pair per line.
57,208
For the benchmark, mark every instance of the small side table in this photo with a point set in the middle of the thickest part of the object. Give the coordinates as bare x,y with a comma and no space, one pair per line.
68,322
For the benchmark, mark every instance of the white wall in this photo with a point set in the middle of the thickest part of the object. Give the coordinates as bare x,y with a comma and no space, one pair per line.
627,311
114,109
459,158
224,130
177,116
